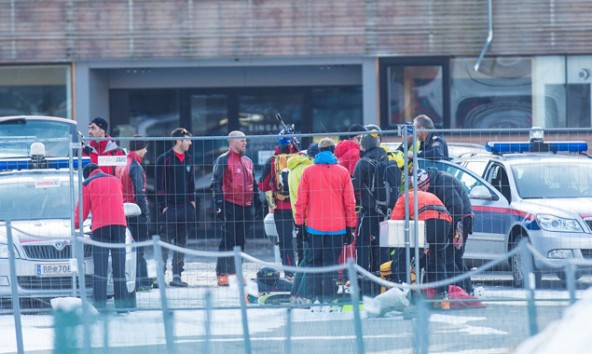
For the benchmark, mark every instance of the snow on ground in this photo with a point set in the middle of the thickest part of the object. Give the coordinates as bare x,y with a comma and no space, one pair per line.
570,334
131,329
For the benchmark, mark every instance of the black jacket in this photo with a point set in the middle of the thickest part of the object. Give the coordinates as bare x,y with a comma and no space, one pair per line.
362,178
175,181
434,147
451,192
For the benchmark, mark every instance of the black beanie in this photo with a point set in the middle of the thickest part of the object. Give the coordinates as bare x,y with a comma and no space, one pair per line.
101,123
136,145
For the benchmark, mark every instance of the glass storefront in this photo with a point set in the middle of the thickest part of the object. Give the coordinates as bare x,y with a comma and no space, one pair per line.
506,92
35,90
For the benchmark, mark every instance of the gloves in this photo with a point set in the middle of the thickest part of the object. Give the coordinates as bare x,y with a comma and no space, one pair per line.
220,210
270,201
457,241
348,237
301,233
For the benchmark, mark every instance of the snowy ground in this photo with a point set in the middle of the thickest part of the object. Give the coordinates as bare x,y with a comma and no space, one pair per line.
499,328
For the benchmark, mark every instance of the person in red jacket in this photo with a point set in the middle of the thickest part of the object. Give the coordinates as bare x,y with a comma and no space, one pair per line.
270,182
235,193
347,151
133,182
98,129
102,196
437,227
326,205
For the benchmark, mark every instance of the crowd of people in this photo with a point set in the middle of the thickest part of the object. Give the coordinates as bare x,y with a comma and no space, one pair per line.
323,195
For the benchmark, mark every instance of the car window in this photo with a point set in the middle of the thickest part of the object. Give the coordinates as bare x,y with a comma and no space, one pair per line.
32,199
17,135
498,178
467,180
477,166
553,180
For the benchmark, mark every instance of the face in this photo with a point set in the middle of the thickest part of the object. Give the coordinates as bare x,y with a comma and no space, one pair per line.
95,131
183,145
238,145
421,135
142,152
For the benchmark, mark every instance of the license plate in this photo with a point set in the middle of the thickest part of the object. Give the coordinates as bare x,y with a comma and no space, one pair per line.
53,269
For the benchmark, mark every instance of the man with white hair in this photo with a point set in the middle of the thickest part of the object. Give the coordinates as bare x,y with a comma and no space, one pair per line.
433,146
235,193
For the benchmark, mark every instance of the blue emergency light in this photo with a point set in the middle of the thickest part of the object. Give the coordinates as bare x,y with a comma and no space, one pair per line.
511,147
27,164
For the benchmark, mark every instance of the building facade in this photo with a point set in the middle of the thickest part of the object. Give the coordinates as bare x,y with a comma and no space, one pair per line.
213,66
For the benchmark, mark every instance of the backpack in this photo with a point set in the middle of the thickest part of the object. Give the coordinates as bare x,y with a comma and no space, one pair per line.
385,184
282,190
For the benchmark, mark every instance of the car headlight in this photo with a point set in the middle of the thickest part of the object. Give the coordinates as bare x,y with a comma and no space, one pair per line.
4,251
554,223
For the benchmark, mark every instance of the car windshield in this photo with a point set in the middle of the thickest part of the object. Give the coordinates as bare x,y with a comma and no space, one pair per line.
17,135
26,198
567,179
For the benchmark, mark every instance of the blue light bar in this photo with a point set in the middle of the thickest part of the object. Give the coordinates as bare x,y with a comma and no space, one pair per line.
512,147
55,163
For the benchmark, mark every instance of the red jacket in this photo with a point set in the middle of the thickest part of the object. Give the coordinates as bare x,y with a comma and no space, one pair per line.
428,206
326,202
233,179
103,148
133,182
348,154
101,196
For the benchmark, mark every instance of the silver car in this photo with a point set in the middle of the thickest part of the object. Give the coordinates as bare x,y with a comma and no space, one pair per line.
38,204
543,197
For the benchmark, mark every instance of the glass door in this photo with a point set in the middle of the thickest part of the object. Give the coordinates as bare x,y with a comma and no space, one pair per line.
413,87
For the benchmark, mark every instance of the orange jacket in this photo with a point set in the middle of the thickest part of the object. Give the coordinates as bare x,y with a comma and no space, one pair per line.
428,206
326,202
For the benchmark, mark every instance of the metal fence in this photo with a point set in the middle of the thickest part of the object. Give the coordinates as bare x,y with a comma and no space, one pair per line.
206,318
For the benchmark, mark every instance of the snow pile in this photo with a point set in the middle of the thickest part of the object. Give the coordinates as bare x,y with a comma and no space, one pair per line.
394,299
71,304
570,334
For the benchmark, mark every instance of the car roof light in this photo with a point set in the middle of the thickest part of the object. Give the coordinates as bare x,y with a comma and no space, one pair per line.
26,164
511,147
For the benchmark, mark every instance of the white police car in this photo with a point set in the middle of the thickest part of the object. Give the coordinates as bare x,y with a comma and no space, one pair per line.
542,192
36,196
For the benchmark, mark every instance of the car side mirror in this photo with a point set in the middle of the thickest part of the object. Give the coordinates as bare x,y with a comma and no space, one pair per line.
481,192
131,209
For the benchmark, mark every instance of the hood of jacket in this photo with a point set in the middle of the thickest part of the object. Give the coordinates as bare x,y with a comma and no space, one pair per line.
326,158
345,146
376,153
298,160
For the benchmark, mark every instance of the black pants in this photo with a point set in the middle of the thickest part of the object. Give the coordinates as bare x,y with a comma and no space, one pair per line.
234,230
110,234
178,220
325,252
459,263
369,253
139,229
440,249
284,224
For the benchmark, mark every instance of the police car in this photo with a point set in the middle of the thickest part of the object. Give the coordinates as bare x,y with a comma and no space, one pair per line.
38,196
533,190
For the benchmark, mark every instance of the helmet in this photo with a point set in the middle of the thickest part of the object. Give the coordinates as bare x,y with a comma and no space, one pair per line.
268,275
423,180
409,126
284,140
374,129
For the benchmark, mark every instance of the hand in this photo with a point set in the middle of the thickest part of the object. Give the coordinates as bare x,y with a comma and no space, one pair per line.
193,203
301,233
270,201
348,237
458,239
220,210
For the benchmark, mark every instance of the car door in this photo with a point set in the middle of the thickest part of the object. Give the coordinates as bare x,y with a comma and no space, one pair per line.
487,240
495,218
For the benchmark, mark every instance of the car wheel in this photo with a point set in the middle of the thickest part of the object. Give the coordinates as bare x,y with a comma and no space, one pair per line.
518,274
